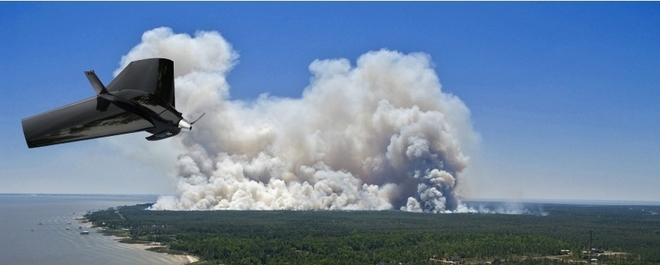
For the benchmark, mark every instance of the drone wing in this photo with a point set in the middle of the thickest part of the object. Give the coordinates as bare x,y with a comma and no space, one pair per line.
80,121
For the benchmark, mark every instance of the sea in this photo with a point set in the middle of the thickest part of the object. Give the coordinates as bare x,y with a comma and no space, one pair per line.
33,230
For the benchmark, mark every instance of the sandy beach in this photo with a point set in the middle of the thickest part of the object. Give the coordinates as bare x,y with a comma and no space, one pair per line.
184,259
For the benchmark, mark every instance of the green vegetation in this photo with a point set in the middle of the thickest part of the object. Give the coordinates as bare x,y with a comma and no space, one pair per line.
390,237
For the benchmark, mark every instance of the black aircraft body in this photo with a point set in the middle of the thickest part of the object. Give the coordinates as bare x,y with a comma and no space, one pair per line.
140,98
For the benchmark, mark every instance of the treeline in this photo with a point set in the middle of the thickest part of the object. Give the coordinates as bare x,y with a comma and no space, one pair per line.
390,237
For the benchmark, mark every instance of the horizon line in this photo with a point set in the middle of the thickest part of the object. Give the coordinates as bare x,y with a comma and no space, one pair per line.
468,200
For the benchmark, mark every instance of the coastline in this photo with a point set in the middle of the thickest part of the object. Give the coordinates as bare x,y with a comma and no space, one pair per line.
147,246
183,258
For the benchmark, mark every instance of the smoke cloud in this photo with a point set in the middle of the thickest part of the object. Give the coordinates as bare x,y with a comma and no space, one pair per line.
376,135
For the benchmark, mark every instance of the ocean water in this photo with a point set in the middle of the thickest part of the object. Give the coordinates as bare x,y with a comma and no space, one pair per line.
24,241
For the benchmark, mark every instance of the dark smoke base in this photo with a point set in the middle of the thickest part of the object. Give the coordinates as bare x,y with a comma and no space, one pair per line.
471,207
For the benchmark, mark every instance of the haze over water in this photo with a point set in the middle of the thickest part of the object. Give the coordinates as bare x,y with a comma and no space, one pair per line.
24,241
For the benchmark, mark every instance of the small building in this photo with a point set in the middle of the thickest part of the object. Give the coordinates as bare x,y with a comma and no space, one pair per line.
454,259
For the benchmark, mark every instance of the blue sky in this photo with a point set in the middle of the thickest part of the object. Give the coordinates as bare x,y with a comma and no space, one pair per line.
563,95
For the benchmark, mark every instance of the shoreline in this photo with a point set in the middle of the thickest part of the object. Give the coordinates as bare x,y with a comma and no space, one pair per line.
183,258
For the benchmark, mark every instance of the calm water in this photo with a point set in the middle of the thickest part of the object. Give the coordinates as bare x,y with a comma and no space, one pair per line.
24,241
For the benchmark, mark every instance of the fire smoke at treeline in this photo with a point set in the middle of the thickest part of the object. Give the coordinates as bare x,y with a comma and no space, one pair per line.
376,135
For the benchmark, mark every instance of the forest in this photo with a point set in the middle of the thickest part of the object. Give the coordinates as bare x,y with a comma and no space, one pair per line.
631,234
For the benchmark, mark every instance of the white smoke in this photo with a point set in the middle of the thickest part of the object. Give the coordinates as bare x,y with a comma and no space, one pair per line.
372,136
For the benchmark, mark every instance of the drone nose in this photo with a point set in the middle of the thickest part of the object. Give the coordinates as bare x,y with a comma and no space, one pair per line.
184,124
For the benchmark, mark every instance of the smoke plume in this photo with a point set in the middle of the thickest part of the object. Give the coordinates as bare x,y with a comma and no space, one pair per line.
376,135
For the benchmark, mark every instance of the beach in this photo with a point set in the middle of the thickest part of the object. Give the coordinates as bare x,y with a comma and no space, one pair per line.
184,259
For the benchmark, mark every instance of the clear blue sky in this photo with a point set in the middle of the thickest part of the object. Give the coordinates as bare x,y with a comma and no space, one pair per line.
565,96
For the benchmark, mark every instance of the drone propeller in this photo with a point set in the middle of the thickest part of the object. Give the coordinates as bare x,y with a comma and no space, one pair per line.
198,118
184,124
